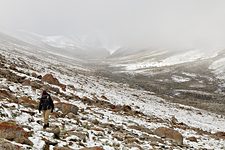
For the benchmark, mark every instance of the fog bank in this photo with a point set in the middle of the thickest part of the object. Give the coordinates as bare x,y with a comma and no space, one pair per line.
174,24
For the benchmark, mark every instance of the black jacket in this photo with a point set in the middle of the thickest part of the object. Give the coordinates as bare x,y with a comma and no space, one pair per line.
46,102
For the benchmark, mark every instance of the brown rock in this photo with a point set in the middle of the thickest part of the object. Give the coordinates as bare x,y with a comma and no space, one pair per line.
12,67
28,102
35,85
71,115
97,129
61,148
119,136
55,99
113,106
104,97
67,108
127,108
220,135
26,83
11,131
5,94
81,135
33,74
54,89
76,97
10,76
52,80
170,134
92,148
129,140
95,121
192,139
174,120
57,114
7,145
63,87
56,132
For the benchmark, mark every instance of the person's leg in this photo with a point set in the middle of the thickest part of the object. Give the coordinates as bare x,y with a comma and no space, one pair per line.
44,118
47,113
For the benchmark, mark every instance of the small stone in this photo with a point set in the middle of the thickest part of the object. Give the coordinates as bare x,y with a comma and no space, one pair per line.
192,139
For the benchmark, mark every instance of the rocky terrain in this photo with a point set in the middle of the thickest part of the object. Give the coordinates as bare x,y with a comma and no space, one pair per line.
93,112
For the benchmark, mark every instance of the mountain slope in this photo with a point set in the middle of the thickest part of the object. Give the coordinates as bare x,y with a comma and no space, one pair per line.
71,46
110,115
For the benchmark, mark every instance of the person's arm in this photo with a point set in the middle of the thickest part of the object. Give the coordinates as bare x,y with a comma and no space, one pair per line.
52,104
40,105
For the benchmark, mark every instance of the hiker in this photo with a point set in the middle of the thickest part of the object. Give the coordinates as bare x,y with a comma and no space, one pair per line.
46,105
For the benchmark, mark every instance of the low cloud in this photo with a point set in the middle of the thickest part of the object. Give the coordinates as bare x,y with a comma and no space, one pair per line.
174,24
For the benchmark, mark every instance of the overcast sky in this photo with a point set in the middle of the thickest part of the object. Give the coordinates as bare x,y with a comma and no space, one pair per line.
132,23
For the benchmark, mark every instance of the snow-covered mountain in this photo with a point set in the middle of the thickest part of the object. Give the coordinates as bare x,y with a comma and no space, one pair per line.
76,46
97,113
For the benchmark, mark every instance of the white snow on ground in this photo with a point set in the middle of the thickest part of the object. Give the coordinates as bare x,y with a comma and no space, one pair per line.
218,67
180,79
189,56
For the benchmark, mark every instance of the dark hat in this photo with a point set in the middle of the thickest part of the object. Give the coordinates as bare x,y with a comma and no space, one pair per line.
44,92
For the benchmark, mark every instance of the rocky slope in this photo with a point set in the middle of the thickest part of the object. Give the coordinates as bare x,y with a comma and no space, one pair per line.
93,112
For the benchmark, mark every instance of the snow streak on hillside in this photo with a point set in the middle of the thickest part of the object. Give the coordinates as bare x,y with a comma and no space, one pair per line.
184,57
218,68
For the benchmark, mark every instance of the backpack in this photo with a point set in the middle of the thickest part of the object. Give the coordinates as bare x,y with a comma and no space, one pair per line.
46,102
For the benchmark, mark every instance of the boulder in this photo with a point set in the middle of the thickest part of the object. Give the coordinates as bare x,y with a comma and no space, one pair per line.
12,67
5,94
192,139
220,135
61,148
33,74
71,115
54,89
11,131
55,130
81,135
174,120
67,108
7,145
52,80
48,143
92,148
28,102
57,114
39,77
172,134
10,76
119,136
104,97
35,85
63,86
126,108
26,82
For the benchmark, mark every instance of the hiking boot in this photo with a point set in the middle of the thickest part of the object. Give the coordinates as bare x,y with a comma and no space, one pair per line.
45,126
